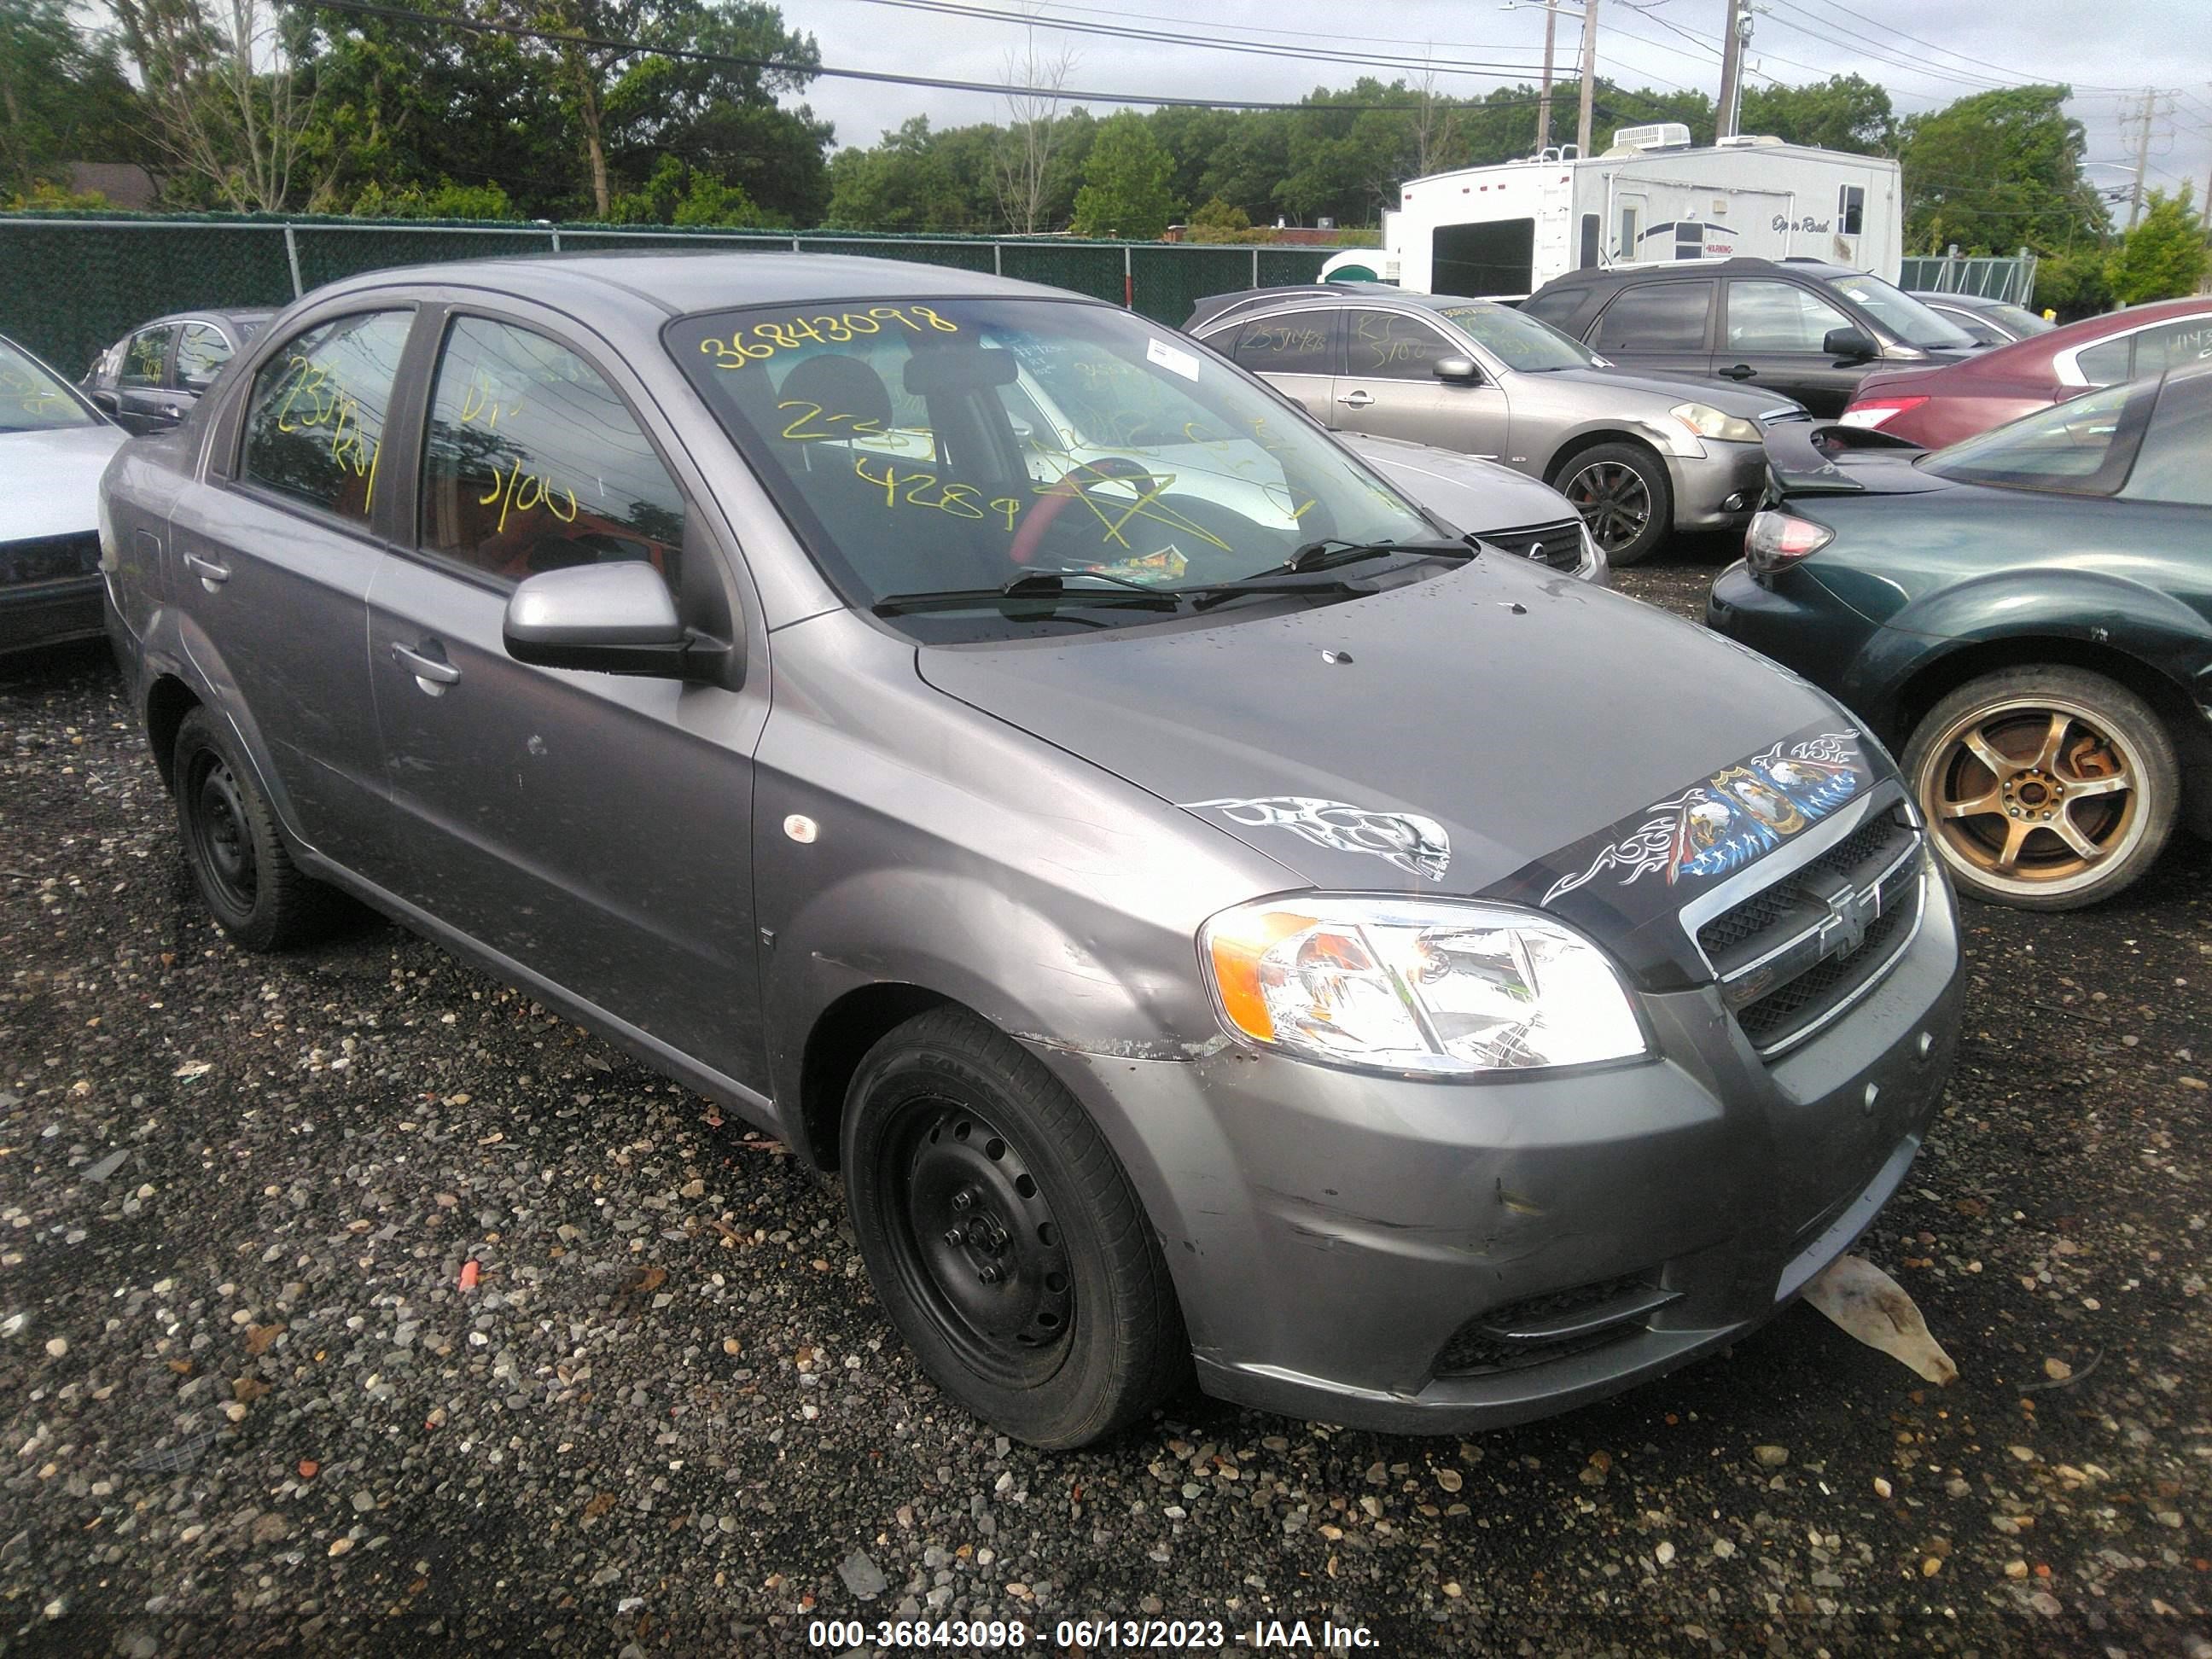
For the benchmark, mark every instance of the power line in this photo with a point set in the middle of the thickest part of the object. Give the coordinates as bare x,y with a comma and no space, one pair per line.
2022,78
518,31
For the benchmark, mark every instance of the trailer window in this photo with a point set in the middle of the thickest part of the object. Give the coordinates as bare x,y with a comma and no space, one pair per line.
1851,209
1496,259
1631,225
1589,241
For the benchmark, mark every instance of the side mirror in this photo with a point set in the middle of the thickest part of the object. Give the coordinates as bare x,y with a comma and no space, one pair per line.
1458,371
617,618
104,400
1849,342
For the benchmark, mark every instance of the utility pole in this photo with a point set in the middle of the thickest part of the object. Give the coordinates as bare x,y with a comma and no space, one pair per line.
1731,71
1590,76
1544,99
2142,156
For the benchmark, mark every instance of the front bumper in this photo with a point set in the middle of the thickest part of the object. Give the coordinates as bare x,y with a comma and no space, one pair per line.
1342,1243
1720,490
48,612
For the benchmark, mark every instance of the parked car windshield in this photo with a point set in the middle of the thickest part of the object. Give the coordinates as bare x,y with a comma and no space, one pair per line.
2083,446
923,446
2018,321
1516,339
32,397
1900,313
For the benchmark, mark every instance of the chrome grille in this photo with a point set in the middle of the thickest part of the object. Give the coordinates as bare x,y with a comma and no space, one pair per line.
1559,545
1792,956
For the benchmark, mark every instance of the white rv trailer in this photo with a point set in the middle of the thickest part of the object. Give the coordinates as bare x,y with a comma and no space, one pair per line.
1503,232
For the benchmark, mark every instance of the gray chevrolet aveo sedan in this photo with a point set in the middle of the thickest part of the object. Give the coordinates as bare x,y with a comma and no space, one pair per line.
1208,916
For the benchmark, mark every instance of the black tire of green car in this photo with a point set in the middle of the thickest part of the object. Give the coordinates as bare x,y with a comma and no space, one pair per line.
1622,491
1003,1237
237,858
2045,788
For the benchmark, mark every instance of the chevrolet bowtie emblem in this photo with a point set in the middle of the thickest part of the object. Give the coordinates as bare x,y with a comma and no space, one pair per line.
1845,928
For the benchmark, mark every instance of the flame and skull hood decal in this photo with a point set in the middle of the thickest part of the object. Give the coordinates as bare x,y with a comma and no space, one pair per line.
1452,737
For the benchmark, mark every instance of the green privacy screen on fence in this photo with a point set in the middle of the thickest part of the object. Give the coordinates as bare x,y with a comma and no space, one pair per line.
73,284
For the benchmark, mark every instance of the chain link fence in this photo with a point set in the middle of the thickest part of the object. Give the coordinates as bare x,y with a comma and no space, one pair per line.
72,285
2009,277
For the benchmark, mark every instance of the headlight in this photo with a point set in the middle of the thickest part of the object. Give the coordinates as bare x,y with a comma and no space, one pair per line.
1409,985
1709,423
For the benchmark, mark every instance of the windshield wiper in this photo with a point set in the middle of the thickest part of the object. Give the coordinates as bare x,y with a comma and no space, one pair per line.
1031,586
1330,554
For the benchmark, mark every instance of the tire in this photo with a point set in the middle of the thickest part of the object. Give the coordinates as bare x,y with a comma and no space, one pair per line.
2076,775
1047,1312
247,880
1622,491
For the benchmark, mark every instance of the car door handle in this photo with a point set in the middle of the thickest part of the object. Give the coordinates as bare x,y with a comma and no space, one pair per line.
211,574
1355,400
433,674
1739,372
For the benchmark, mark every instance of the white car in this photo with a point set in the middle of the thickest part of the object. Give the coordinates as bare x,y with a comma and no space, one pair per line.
54,445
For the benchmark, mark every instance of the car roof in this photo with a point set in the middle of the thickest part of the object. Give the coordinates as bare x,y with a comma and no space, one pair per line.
675,283
1965,301
1220,305
202,313
1650,269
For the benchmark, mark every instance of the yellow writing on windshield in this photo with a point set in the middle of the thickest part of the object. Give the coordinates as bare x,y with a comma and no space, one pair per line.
765,340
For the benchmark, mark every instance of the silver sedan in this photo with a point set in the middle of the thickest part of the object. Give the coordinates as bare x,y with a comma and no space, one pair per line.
1636,456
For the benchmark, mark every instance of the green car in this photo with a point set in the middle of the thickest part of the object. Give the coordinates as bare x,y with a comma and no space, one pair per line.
2028,616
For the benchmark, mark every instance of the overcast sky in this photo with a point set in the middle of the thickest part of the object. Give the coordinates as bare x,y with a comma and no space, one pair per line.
2112,48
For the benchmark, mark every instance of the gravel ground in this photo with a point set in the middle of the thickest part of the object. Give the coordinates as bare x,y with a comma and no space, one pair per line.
350,1303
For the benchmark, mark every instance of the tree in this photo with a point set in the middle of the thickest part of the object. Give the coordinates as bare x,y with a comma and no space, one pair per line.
222,83
2164,257
903,184
1021,162
1126,190
1842,112
62,97
447,200
1996,170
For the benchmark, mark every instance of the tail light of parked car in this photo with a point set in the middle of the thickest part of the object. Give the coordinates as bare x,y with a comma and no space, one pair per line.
1777,539
1874,412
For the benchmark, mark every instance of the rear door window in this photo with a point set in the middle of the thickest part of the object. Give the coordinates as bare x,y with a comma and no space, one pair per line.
200,353
2181,343
532,462
314,423
1657,317
1294,343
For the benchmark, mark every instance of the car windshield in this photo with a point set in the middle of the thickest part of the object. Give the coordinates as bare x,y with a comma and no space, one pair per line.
1905,317
1516,339
956,446
2081,447
2018,321
32,399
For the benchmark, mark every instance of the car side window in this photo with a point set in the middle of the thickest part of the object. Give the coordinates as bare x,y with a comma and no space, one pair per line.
1765,316
143,360
532,462
2106,363
2178,344
1657,317
2174,461
314,423
201,352
1297,342
1386,345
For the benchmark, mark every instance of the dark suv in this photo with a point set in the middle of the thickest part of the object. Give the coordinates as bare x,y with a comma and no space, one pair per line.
1804,328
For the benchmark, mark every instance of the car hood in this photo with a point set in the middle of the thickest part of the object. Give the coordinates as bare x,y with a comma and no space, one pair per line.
1473,496
50,480
1495,729
1608,384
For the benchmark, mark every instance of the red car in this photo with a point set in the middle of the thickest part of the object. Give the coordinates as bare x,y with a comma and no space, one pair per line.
1934,407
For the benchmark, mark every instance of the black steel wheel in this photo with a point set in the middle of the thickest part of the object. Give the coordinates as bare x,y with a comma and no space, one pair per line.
1622,492
1003,1237
237,857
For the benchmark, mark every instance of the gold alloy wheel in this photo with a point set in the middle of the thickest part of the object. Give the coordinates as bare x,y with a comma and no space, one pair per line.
2037,795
